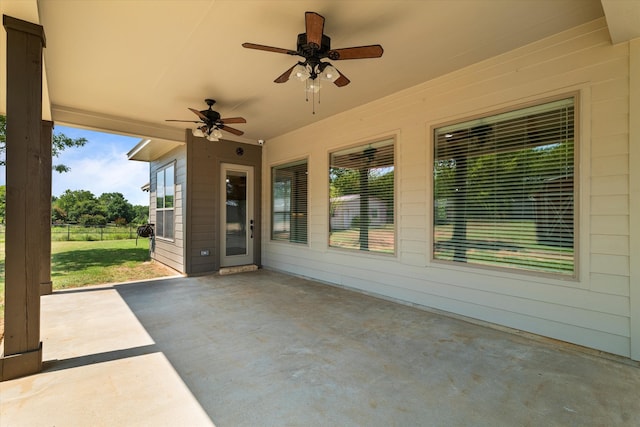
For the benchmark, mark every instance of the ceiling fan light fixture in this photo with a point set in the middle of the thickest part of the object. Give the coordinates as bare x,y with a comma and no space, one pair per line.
313,86
197,132
301,72
210,123
329,73
314,46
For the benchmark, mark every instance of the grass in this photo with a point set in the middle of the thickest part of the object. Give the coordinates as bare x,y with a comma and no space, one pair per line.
82,263
509,244
381,239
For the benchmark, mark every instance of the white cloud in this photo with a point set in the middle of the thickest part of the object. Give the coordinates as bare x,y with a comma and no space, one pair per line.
101,166
104,169
106,174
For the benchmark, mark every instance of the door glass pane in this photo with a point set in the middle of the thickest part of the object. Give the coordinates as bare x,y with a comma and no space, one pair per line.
236,224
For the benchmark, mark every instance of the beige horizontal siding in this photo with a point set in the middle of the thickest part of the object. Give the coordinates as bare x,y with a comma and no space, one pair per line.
592,310
610,185
610,284
171,251
616,225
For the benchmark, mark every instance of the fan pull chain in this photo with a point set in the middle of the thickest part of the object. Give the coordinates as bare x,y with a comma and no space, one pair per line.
306,90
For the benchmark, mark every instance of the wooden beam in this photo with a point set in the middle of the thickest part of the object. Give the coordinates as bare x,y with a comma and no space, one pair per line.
46,286
22,347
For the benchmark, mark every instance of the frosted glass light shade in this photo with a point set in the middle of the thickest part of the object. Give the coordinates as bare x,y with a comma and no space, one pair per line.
300,72
313,86
329,73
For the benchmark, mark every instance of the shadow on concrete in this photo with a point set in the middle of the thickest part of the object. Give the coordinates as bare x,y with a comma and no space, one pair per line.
109,356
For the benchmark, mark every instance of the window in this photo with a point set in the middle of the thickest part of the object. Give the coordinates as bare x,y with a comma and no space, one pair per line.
165,192
361,191
289,202
504,190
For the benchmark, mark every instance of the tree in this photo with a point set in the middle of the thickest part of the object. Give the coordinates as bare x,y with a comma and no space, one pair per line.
141,214
116,207
92,220
381,185
77,203
59,142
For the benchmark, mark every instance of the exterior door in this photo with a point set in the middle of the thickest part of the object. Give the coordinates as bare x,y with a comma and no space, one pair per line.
237,221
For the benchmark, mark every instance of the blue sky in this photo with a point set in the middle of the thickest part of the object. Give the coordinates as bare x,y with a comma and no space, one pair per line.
101,166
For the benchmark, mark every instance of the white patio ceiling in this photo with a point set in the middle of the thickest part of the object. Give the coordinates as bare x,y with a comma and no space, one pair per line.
126,66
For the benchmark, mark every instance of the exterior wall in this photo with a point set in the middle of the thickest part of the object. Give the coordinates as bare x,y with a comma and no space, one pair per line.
593,310
171,252
634,193
203,207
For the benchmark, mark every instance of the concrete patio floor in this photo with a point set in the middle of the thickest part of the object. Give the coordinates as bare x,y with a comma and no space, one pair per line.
268,349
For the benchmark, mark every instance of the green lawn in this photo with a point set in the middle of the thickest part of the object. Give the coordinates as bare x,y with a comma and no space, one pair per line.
508,244
82,263
381,239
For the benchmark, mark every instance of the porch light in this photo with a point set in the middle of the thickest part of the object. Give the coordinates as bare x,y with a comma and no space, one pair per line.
198,132
312,73
313,86
329,73
214,135
301,72
211,133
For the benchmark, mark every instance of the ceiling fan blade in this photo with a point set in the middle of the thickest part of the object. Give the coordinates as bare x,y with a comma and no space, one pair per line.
315,27
269,48
185,121
285,76
199,114
342,80
359,52
231,130
234,120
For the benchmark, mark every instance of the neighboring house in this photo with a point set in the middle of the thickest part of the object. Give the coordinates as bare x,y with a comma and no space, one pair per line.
346,209
479,144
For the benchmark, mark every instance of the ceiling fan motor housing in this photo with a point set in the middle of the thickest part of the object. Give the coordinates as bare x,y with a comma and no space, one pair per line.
213,116
305,50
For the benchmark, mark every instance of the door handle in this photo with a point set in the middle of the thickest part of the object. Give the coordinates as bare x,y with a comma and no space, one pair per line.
251,227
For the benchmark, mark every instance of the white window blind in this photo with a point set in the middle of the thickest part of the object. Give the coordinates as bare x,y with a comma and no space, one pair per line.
361,183
289,202
504,190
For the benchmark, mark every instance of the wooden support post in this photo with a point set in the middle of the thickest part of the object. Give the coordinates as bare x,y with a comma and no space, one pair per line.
22,352
46,285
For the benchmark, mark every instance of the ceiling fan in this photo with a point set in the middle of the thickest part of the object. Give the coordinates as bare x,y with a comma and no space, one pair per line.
314,46
210,123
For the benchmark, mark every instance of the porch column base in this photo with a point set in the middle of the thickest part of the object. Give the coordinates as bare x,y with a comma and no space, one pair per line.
46,288
21,364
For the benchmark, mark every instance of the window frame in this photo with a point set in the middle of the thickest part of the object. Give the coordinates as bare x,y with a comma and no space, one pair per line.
393,139
273,169
577,166
164,208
